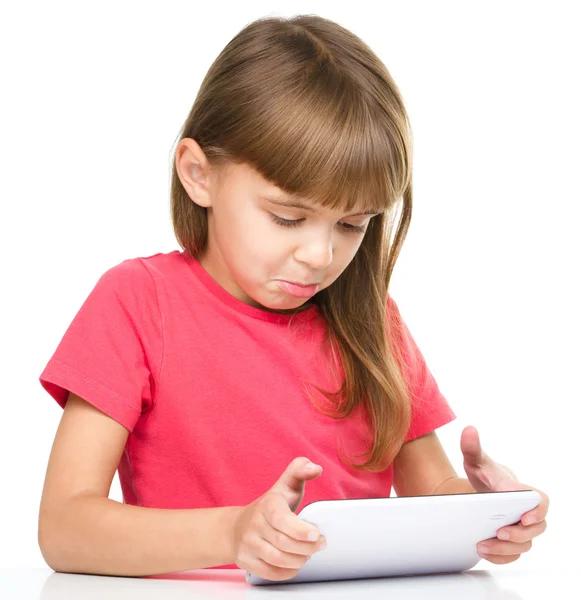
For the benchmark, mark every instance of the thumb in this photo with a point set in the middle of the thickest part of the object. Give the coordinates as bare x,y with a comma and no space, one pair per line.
471,447
292,482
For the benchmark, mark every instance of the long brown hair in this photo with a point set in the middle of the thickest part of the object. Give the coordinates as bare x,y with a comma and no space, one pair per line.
307,104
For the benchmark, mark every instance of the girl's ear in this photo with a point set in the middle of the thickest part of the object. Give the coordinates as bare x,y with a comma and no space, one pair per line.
193,171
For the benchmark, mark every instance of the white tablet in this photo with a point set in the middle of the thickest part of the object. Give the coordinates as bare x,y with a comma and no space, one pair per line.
408,535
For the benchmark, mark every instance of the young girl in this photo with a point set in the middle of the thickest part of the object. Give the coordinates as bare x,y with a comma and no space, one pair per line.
211,377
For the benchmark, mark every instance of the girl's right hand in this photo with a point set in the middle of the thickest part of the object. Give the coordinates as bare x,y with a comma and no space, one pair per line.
270,540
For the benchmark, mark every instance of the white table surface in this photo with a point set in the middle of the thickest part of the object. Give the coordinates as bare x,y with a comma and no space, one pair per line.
491,582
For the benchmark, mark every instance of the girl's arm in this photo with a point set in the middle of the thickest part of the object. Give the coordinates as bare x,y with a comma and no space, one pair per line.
81,530
422,467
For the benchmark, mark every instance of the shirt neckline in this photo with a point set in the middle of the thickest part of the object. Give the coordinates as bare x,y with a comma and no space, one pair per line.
238,305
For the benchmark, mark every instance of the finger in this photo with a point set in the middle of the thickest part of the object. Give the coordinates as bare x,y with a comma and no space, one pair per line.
521,533
537,514
470,446
297,473
277,558
498,547
284,543
270,572
279,516
500,560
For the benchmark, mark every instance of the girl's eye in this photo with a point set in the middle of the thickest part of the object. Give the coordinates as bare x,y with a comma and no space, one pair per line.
289,223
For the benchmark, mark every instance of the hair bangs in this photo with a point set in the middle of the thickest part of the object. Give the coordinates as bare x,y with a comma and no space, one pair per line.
323,144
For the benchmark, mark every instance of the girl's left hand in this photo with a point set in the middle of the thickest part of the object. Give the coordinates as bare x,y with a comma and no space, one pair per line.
486,475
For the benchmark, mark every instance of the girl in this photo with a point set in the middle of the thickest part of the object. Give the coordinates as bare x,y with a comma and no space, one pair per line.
211,377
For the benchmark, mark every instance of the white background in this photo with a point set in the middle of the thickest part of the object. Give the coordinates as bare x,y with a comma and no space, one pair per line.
93,99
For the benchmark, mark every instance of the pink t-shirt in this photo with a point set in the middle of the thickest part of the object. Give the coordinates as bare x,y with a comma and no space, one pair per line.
211,389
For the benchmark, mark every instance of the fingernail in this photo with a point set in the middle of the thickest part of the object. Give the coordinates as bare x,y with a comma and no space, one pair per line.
323,545
313,536
503,535
312,467
483,548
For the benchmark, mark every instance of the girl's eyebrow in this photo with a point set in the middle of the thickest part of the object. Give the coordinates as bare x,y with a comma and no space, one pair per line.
297,204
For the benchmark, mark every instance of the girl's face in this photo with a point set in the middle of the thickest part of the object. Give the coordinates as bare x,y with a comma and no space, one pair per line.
248,252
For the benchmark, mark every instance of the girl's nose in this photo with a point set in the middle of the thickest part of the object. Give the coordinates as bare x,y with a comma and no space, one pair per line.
318,254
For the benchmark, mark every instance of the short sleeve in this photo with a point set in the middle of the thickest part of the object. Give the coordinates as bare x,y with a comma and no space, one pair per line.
430,408
110,355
